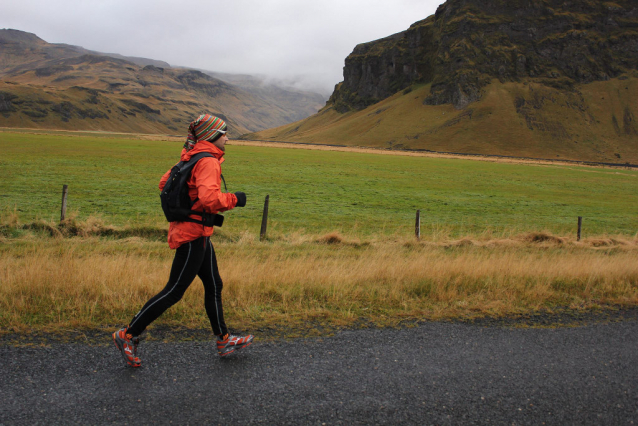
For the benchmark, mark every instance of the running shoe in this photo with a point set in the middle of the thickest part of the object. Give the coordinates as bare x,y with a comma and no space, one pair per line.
127,344
230,343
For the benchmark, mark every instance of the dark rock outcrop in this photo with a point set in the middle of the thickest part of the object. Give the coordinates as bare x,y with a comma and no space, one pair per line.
5,102
203,83
467,43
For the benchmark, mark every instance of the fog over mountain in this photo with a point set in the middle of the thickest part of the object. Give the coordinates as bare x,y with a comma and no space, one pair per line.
546,79
302,43
61,86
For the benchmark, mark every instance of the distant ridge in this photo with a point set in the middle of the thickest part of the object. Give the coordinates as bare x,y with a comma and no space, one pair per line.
60,86
54,50
16,36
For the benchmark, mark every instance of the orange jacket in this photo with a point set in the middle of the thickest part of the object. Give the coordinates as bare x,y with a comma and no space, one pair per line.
204,185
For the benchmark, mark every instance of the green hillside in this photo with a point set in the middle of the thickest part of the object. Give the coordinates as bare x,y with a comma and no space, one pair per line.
540,78
595,122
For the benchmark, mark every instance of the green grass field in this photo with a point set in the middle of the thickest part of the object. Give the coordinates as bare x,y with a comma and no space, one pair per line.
318,191
340,247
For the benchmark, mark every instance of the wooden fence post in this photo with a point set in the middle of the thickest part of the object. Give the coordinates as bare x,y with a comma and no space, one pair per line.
264,220
580,224
417,225
65,190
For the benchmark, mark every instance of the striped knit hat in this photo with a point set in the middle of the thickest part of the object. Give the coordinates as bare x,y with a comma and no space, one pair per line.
206,128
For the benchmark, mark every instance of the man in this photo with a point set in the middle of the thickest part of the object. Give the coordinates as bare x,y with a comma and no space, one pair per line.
194,252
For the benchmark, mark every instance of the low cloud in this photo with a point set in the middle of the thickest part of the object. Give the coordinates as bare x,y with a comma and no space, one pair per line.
302,43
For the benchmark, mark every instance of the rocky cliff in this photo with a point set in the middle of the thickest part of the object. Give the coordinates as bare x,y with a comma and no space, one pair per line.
469,43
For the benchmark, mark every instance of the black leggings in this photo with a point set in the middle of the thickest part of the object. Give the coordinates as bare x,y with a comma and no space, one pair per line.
195,258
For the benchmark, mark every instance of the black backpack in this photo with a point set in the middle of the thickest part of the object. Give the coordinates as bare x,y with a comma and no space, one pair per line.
176,203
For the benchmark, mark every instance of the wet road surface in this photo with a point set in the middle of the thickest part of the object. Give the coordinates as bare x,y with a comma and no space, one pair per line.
436,373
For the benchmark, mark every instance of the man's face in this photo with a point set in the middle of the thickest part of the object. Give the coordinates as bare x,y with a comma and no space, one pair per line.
221,142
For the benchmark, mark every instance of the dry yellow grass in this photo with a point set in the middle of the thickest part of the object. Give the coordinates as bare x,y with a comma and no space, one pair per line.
525,114
53,283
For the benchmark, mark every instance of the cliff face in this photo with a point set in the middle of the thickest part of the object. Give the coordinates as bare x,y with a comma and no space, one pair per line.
468,43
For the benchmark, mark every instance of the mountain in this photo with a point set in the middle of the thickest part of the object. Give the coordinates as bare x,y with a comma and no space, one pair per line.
299,104
45,85
534,78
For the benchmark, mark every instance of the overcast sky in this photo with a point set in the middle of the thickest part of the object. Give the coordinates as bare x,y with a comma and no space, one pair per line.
300,40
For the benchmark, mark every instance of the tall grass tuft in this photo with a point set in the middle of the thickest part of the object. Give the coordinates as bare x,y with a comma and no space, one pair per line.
72,226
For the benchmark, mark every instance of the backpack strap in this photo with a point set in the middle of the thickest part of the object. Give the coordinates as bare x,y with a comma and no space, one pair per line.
224,180
195,158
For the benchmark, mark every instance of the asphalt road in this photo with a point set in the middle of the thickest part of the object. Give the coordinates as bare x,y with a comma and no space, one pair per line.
437,373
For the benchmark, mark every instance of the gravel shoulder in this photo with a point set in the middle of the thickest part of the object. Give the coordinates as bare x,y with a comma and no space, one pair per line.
430,373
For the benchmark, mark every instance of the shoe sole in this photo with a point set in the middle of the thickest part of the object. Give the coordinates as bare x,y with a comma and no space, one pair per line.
235,348
121,349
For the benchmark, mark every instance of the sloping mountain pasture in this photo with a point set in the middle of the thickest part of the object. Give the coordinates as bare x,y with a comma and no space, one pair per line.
57,86
595,122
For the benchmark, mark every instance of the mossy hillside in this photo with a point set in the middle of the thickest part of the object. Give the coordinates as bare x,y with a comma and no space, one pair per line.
593,122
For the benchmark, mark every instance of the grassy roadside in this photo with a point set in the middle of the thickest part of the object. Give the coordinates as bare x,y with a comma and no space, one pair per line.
307,284
498,240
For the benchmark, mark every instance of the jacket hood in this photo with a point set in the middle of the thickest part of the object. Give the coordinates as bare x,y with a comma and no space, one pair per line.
203,146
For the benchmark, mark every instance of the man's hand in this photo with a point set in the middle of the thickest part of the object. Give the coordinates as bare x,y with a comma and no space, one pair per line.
241,199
